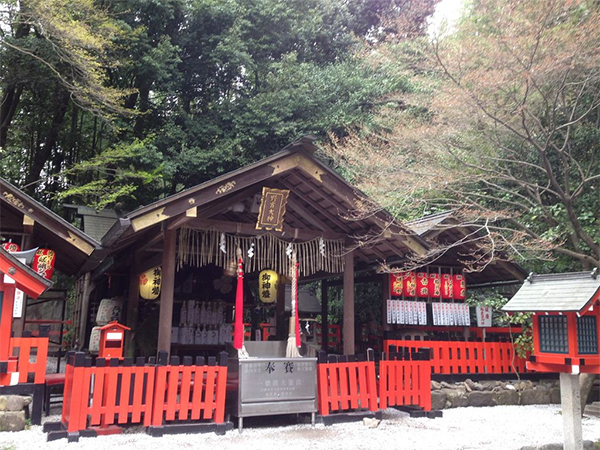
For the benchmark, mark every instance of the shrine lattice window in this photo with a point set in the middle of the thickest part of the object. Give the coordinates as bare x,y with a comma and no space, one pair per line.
587,335
553,334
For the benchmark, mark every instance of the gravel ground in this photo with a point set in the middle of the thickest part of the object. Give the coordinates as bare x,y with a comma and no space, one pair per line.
500,427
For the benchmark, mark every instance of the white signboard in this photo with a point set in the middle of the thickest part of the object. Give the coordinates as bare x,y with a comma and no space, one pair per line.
484,316
18,304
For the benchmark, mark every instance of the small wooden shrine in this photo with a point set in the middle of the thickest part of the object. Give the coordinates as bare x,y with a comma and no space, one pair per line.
566,321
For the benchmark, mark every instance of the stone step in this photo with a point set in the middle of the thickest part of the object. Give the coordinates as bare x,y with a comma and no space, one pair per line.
593,409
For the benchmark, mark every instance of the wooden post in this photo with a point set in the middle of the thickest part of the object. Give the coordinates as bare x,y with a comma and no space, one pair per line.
324,316
166,292
280,328
571,411
85,307
133,301
348,331
6,310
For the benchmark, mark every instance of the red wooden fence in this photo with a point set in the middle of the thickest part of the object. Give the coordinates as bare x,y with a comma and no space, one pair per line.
405,379
25,348
114,392
105,395
345,383
190,392
465,357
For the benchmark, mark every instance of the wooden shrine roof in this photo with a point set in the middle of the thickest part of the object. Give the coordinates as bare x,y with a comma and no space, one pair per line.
560,292
321,203
22,215
443,229
26,279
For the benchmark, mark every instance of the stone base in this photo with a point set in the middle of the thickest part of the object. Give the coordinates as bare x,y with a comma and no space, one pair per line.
14,412
446,395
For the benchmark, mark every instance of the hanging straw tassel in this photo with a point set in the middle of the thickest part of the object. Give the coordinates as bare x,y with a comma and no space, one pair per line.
291,351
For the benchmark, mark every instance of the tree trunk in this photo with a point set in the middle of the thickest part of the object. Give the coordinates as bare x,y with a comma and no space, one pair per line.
586,383
44,152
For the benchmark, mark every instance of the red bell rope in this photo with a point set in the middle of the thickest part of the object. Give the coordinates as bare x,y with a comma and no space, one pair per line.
238,334
296,319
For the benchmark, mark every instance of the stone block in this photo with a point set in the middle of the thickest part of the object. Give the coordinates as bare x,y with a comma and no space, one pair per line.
3,400
12,420
456,398
15,403
438,400
506,397
535,397
482,398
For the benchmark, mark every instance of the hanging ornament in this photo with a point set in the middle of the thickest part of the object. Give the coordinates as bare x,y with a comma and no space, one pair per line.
321,246
288,250
251,251
222,243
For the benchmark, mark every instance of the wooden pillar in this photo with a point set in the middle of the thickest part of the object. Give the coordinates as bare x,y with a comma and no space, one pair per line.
7,294
133,301
348,330
88,287
324,316
280,328
571,411
166,293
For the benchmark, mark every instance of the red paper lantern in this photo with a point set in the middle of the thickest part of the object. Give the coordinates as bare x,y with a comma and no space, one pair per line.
410,284
447,286
459,287
422,285
435,285
43,262
396,284
11,247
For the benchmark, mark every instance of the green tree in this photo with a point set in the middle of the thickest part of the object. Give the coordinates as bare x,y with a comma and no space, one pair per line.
501,126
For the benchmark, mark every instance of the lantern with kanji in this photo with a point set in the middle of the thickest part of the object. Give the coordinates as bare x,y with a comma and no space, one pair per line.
396,284
268,281
410,284
43,262
150,282
11,247
435,285
447,285
459,286
422,285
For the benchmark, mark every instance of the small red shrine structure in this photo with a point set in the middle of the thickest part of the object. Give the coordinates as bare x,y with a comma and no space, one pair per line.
112,340
566,321
14,277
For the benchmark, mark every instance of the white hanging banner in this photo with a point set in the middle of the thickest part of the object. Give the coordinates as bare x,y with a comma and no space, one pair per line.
18,304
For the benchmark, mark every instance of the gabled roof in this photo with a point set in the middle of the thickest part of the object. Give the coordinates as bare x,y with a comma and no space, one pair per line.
26,279
426,224
21,214
321,203
444,230
566,292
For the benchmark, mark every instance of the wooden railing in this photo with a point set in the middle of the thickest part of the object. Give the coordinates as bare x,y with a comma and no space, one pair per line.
405,379
24,348
346,383
190,392
466,357
117,392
